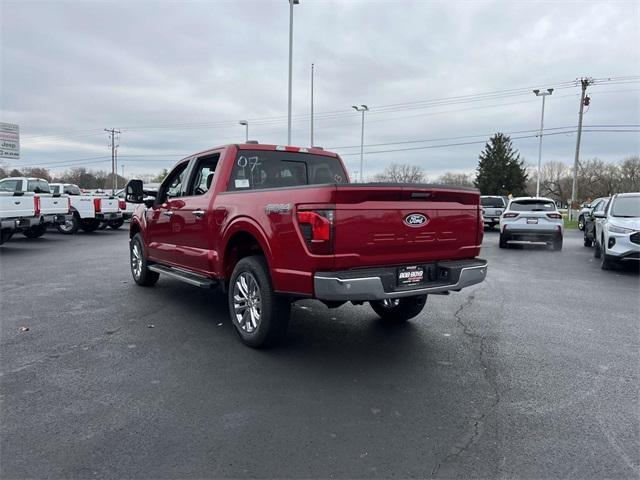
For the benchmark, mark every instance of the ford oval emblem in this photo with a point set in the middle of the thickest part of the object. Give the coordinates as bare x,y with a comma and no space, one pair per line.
415,220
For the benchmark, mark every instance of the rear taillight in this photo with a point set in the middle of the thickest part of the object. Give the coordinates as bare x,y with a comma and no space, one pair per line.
557,216
97,204
122,205
36,205
510,215
316,227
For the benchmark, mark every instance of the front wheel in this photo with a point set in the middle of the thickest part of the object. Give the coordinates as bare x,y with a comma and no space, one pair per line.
581,222
139,267
35,232
89,225
259,315
606,263
116,224
399,310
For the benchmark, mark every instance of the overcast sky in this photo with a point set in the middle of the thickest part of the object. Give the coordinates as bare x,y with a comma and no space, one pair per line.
176,76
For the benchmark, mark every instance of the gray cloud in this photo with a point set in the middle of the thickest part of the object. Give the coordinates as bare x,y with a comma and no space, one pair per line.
70,69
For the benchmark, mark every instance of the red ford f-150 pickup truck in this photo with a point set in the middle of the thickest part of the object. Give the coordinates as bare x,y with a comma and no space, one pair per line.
272,224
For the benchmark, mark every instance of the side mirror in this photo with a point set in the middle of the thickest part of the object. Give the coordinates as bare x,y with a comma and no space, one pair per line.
599,214
134,192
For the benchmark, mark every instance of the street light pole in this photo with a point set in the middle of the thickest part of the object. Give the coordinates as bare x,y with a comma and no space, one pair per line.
311,144
361,108
544,96
246,129
291,4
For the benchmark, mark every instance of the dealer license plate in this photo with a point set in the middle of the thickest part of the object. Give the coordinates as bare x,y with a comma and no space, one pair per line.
410,275
532,220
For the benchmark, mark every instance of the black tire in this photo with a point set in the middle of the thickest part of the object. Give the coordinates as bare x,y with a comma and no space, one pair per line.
587,241
581,222
606,262
503,241
260,317
5,236
116,224
139,265
103,226
596,251
557,244
89,225
71,226
399,310
35,232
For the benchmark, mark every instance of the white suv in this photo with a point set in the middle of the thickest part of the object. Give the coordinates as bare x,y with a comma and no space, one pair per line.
618,230
532,219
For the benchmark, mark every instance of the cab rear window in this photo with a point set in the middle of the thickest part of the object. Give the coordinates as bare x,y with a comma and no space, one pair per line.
532,206
492,202
260,169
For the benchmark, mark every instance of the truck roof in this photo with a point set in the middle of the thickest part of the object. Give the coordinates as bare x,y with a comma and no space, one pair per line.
259,146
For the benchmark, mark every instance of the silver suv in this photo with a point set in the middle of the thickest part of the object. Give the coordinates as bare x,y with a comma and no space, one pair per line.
532,219
618,230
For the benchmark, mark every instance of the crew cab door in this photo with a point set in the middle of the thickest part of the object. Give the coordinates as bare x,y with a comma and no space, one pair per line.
192,223
160,237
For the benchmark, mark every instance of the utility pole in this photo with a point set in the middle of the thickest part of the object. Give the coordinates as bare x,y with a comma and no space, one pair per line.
311,144
544,96
291,4
361,108
113,132
585,82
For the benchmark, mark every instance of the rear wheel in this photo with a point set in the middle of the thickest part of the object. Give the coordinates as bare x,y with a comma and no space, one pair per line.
116,224
69,226
503,241
35,232
103,226
587,241
259,315
139,266
399,310
557,244
89,224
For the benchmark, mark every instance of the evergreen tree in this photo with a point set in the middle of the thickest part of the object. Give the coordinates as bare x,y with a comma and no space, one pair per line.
500,170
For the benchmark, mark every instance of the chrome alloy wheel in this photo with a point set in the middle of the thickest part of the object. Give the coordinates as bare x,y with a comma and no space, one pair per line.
67,226
390,302
247,302
136,260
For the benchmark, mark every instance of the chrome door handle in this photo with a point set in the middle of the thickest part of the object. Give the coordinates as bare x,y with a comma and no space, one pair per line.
198,213
168,214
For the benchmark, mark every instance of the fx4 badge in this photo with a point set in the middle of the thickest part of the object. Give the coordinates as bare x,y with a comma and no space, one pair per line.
415,220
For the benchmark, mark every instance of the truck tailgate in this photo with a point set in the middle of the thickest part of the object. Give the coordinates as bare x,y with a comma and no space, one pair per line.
53,205
109,204
12,206
385,225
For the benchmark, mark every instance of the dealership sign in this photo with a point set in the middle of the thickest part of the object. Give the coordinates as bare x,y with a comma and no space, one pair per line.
9,140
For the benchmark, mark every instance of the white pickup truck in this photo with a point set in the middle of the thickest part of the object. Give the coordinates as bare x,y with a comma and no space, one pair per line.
17,213
88,212
48,208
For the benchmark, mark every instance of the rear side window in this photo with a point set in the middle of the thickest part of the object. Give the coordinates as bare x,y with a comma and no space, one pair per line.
260,169
55,189
532,206
38,186
9,185
492,202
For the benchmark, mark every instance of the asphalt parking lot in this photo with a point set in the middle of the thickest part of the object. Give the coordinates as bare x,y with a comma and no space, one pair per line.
532,374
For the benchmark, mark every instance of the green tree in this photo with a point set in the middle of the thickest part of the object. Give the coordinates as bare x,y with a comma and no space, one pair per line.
500,170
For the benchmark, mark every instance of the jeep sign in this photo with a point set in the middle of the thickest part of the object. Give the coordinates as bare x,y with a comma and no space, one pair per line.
9,140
